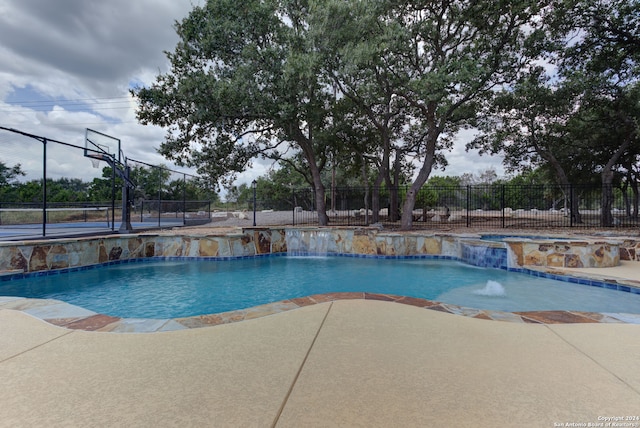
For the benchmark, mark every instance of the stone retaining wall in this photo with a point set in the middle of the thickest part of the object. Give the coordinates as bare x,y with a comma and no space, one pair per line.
568,254
630,250
39,256
36,256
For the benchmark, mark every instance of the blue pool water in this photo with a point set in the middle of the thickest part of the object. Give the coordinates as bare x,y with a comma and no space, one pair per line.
171,289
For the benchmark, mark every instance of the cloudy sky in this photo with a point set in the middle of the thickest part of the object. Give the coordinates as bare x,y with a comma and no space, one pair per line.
67,65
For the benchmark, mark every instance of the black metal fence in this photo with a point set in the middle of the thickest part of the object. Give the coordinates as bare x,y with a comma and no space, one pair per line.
478,206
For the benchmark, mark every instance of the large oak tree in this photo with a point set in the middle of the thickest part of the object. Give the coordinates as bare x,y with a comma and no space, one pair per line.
244,82
429,63
254,78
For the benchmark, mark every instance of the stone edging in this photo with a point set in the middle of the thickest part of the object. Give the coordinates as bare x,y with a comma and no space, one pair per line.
75,318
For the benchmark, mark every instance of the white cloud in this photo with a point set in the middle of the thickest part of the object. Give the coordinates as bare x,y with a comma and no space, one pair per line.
68,65
462,161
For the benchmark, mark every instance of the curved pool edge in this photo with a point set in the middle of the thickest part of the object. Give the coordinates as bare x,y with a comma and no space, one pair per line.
73,317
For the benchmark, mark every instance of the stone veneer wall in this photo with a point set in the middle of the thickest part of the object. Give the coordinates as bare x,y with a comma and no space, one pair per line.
569,253
39,256
371,242
630,250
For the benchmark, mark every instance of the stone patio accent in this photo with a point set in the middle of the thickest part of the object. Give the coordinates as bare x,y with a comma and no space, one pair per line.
72,317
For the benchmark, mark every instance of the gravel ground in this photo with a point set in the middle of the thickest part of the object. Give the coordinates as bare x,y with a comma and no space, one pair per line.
233,221
245,219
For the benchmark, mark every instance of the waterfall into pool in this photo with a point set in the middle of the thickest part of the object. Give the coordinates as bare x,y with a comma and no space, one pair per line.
301,241
474,254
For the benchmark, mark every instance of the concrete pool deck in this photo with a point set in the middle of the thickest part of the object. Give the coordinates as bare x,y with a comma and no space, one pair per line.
343,363
625,270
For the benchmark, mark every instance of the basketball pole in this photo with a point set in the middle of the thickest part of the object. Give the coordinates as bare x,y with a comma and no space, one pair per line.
125,225
111,152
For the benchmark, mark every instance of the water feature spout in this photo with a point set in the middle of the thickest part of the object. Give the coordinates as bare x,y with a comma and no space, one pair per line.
491,289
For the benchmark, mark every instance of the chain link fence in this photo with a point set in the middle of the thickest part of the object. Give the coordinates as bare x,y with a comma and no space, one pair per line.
50,188
162,195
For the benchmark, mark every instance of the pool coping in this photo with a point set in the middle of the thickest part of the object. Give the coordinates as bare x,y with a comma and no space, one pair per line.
73,317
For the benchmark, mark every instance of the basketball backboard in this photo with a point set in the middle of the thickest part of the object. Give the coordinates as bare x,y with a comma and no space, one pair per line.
101,146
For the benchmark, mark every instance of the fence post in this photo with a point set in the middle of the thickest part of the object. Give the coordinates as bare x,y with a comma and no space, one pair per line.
44,187
293,204
184,199
468,203
113,193
571,213
159,200
502,202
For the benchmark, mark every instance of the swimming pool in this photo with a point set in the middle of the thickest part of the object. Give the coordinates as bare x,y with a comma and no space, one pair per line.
183,288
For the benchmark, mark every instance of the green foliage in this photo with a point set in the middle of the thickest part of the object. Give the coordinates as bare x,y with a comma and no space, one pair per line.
9,175
31,191
67,190
243,78
440,181
244,82
190,190
58,190
9,181
151,182
241,194
580,123
100,189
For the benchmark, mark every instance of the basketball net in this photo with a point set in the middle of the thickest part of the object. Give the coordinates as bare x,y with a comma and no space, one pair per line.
95,162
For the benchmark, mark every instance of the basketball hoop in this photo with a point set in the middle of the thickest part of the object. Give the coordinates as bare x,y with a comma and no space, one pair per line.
95,162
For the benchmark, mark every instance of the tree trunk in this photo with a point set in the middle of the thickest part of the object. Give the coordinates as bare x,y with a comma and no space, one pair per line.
636,199
606,218
625,197
306,144
394,190
410,200
563,180
433,132
383,174
375,199
394,203
407,208
630,201
321,207
366,191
